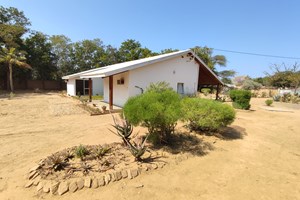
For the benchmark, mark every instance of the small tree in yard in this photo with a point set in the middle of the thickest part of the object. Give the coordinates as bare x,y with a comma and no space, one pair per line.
157,109
11,58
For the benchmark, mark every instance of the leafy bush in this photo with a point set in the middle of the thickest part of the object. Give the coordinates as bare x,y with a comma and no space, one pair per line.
240,98
269,102
206,115
158,111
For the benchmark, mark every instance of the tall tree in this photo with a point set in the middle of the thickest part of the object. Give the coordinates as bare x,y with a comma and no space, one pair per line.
13,58
13,25
132,50
40,57
206,55
62,47
226,76
87,54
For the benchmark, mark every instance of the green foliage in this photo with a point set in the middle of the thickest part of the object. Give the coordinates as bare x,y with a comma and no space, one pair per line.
123,128
206,56
158,111
276,97
240,98
269,102
205,91
81,151
226,76
206,115
40,57
251,85
137,150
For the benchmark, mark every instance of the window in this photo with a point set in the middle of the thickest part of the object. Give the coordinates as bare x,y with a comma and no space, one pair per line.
180,88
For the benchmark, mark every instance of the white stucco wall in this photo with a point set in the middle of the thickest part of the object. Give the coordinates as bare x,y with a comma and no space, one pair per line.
71,87
173,71
97,86
120,92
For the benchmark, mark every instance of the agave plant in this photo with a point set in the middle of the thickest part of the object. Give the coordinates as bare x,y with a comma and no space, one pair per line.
137,150
56,162
123,127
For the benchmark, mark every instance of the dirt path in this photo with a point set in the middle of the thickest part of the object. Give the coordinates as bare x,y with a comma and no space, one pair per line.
265,164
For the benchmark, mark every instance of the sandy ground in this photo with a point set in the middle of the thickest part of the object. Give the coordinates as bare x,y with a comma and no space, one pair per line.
264,164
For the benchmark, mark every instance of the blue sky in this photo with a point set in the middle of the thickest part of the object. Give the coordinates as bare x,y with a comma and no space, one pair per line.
256,26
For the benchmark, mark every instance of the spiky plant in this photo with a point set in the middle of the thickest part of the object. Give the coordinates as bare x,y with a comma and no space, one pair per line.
137,150
123,128
56,162
102,151
81,151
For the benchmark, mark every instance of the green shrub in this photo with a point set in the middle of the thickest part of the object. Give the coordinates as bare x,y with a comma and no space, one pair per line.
240,98
158,111
269,102
251,85
206,115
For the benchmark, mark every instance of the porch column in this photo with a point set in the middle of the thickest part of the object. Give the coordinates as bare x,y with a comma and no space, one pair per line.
111,91
217,94
90,89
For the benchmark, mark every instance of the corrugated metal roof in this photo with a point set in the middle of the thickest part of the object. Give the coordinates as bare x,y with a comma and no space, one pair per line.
126,66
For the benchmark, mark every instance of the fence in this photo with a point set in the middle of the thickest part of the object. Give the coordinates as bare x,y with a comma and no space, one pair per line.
40,84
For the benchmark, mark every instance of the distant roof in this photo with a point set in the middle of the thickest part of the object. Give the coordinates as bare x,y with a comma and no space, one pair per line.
130,65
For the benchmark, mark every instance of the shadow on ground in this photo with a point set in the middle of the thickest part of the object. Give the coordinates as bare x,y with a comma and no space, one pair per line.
232,133
186,143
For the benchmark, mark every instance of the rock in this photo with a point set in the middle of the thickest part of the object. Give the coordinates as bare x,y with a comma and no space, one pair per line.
73,186
46,187
63,188
154,166
87,182
54,187
80,183
118,175
139,186
112,177
149,167
124,174
34,168
29,184
129,174
36,181
101,181
107,179
134,173
39,186
33,174
95,183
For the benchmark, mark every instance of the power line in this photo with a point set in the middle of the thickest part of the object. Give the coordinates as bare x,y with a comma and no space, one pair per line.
257,54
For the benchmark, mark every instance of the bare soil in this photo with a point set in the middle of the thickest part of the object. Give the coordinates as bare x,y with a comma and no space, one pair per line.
258,157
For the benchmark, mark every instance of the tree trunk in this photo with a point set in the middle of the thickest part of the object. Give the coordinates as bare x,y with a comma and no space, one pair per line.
11,78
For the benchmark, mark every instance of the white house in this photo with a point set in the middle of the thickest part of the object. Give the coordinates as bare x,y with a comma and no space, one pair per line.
183,70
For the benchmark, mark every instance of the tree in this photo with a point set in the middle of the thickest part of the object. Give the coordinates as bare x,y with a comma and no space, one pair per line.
170,50
13,25
62,47
288,77
226,76
251,85
87,54
206,55
11,57
132,50
40,57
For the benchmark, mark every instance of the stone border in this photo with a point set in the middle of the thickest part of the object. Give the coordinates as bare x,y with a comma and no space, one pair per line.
75,184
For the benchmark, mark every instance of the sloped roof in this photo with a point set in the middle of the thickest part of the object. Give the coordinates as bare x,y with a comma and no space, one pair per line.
130,65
